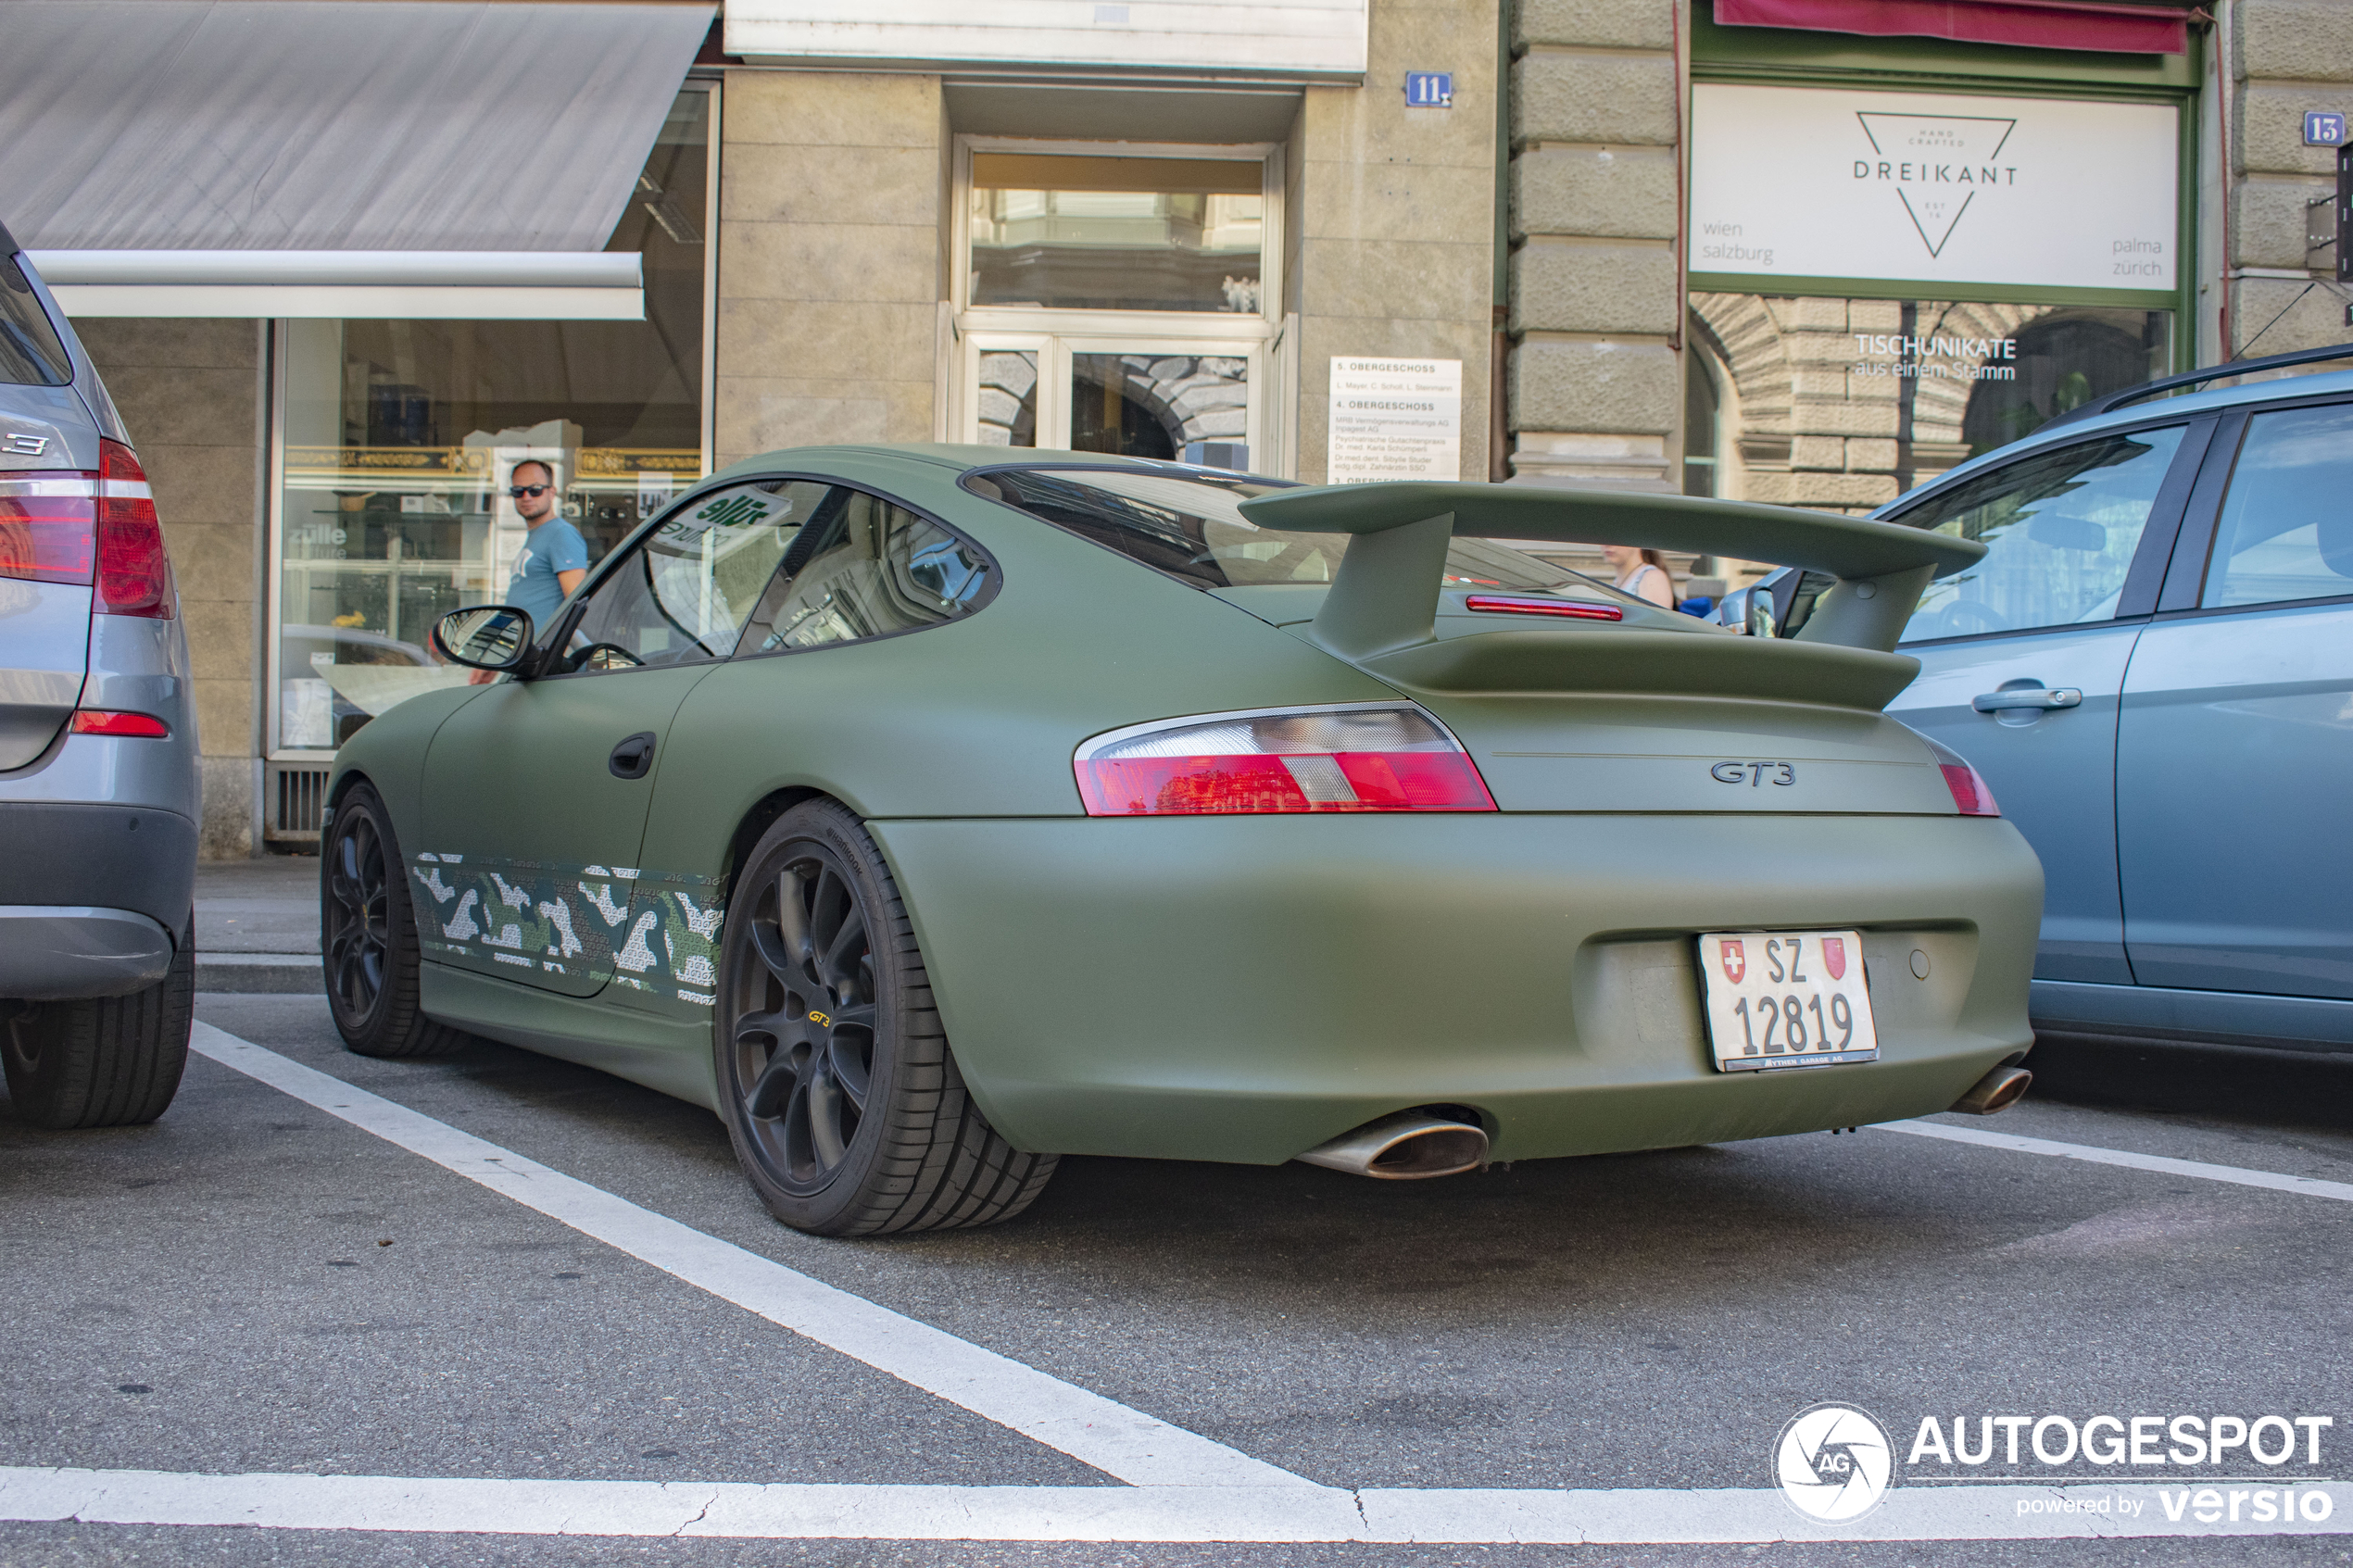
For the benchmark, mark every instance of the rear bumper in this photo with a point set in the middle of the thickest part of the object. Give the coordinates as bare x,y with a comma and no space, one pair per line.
57,952
1242,989
136,857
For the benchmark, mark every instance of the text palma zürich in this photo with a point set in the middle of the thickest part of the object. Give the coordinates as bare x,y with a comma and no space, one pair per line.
2145,1442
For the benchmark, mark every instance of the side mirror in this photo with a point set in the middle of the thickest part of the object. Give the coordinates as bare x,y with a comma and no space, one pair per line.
483,636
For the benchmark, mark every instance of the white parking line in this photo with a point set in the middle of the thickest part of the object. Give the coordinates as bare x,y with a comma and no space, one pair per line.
1136,1447
1631,1516
2308,1187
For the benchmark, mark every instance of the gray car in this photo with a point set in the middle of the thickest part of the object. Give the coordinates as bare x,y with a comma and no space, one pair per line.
99,771
2153,669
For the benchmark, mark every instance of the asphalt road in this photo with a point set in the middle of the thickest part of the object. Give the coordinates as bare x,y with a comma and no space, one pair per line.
256,1285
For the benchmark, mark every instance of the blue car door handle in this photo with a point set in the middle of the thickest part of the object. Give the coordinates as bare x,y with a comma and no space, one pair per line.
2029,697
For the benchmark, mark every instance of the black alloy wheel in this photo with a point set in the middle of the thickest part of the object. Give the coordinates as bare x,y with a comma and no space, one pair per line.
841,1097
368,936
356,926
808,1056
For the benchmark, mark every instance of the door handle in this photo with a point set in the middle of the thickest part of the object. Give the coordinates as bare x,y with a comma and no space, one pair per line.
2029,697
633,758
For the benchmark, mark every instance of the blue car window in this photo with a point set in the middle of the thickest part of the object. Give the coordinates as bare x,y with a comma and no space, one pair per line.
865,568
2286,528
683,594
2060,527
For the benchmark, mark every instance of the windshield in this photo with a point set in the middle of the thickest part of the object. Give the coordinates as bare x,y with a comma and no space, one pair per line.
1188,525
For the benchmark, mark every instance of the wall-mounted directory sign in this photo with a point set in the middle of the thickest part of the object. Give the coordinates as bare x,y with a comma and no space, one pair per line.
1934,188
1395,419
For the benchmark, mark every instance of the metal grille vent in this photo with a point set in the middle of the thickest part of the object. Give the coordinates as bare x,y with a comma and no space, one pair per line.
301,795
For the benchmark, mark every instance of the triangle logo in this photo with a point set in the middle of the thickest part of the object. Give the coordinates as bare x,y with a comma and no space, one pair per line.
1945,160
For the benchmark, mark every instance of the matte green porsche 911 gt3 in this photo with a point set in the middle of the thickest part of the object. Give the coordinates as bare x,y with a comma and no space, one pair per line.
930,812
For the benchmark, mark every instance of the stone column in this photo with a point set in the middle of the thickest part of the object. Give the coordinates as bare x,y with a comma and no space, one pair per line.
188,391
2285,56
1394,254
830,234
1596,385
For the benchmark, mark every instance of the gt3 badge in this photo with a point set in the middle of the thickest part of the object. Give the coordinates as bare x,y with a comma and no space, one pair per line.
1735,961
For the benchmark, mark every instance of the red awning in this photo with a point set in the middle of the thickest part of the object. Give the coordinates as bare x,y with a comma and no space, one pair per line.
2035,24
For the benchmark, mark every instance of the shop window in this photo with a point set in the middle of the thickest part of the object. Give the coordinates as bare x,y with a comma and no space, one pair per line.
397,442
1092,233
1702,419
1848,403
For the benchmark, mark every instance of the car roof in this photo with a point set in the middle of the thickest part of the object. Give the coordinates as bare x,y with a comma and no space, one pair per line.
2187,406
957,458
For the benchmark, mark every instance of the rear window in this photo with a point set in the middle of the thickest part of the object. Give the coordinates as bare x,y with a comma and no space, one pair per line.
31,353
1187,525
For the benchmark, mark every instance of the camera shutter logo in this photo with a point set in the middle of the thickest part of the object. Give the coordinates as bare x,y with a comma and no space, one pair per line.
1833,1462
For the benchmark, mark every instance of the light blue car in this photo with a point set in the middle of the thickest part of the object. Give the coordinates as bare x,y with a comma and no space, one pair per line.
2153,669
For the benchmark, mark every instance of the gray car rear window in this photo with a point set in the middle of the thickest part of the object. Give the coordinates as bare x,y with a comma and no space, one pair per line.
30,352
1186,524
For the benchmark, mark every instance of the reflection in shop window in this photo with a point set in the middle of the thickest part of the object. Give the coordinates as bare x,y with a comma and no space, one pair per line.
1846,404
401,440
1194,407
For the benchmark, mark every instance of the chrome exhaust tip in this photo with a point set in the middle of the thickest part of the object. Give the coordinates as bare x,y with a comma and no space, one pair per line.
1999,1090
1405,1148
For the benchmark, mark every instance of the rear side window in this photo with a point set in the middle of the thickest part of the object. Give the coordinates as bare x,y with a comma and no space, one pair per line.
863,568
30,353
2060,528
2286,530
1189,526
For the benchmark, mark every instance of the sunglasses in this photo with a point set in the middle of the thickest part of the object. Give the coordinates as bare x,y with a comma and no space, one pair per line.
519,491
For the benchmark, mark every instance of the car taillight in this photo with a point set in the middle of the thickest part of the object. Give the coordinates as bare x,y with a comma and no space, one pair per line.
1567,609
135,575
1970,792
1378,757
49,526
100,721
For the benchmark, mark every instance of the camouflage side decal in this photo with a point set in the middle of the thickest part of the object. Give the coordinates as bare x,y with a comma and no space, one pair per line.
498,916
671,950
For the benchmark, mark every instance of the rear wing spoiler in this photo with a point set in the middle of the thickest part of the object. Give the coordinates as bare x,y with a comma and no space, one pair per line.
1385,596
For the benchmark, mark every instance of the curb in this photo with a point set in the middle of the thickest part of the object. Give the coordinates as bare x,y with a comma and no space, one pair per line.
280,972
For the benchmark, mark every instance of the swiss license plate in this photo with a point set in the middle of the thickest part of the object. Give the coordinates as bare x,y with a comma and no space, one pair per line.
1787,998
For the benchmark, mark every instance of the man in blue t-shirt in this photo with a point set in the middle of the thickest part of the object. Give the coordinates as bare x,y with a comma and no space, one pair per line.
554,557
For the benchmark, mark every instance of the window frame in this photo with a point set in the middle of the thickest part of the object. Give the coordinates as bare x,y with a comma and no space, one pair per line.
1262,325
2176,495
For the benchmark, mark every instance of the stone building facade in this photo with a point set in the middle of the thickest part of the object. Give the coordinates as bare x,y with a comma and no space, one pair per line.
807,229
1619,359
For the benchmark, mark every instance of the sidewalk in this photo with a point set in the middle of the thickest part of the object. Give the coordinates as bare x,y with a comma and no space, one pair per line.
257,924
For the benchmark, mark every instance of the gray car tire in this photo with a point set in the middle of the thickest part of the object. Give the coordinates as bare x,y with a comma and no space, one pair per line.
840,1092
104,1061
368,937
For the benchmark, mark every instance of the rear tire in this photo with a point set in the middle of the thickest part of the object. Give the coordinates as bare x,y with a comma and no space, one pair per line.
368,937
840,1092
104,1061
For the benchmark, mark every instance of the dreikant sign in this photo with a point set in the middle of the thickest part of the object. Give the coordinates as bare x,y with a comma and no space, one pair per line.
1395,419
1930,188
